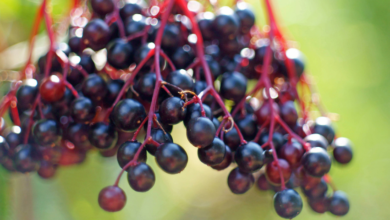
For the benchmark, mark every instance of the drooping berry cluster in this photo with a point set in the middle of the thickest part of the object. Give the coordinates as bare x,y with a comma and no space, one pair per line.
166,63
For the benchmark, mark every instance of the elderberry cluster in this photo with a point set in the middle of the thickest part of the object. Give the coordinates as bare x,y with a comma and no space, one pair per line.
165,64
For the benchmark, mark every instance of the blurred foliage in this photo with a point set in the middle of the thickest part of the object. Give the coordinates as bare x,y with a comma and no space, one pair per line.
346,45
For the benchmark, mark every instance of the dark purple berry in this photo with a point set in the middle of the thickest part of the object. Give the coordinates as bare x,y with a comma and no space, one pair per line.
249,157
316,162
141,177
127,151
171,158
238,182
288,203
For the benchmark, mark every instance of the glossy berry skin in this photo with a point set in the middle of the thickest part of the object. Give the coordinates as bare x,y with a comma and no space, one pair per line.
77,133
160,137
181,79
114,87
183,57
75,44
238,182
102,136
264,112
25,158
27,92
213,154
134,25
205,23
233,86
112,199
120,54
342,151
249,157
96,34
141,177
323,126
46,131
194,111
4,148
226,22
128,114
288,203
130,9
316,162
201,132
318,191
145,86
172,111
262,183
102,7
338,203
127,151
52,89
171,158
247,126
245,16
319,205
268,157
292,152
82,110
94,87
288,113
232,139
272,172
317,140
14,137
227,160
171,37
277,139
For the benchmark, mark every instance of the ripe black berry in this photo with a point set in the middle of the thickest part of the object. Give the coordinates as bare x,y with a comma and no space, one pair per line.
25,158
171,158
205,23
317,191
233,86
102,136
342,152
141,177
317,140
238,182
201,132
227,160
120,54
288,203
323,126
316,162
180,78
292,152
77,133
102,7
145,86
245,16
226,22
114,87
289,113
232,139
128,114
130,9
338,203
27,92
194,111
213,154
96,34
127,151
82,110
94,87
273,174
160,137
172,111
249,157
247,126
46,131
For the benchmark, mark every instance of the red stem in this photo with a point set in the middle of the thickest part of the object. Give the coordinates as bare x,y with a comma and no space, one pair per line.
72,89
14,111
168,60
157,87
119,21
139,129
37,21
50,33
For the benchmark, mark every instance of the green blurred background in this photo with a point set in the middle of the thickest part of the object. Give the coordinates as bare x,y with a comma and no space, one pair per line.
347,46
